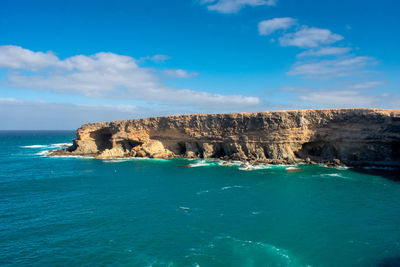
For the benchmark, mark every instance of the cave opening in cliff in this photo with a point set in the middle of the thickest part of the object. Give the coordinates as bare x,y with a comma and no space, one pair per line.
219,151
396,151
102,139
181,148
317,150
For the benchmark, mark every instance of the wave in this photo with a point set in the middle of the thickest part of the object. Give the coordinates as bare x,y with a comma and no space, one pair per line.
57,145
229,163
202,163
251,167
61,145
116,160
336,175
35,146
239,252
232,187
202,192
72,156
42,153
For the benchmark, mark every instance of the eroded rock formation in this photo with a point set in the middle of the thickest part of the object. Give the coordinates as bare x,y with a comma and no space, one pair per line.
349,136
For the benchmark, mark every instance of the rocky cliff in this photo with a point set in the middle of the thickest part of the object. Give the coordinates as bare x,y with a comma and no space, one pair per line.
349,136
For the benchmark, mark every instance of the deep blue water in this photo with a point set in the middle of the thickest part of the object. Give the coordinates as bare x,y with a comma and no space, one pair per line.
85,212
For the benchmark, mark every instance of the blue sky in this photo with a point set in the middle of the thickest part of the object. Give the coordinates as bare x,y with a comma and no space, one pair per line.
64,63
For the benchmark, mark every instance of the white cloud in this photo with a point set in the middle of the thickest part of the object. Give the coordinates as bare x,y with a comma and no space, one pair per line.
266,27
233,6
15,57
179,73
366,85
331,68
309,38
103,75
325,51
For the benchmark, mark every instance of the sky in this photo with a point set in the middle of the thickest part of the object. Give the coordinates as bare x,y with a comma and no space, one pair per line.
65,63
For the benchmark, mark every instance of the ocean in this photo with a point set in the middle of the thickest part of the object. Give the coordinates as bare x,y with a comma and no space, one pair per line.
64,211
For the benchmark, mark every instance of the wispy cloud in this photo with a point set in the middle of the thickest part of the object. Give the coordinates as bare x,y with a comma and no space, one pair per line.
104,75
325,51
267,27
156,58
338,98
366,85
233,6
309,38
332,68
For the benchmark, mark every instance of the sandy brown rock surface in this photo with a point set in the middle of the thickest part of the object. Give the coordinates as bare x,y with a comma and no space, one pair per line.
336,136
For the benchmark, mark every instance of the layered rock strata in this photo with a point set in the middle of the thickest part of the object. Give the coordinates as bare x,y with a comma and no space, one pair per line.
348,136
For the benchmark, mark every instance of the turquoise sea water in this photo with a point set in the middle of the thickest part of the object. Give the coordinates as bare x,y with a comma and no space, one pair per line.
87,212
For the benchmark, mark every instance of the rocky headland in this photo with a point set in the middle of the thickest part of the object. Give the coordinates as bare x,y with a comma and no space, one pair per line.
354,137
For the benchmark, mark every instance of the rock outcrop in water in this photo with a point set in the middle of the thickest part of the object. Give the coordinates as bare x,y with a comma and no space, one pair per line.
348,136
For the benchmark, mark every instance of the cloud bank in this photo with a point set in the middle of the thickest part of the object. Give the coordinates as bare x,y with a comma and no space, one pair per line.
105,75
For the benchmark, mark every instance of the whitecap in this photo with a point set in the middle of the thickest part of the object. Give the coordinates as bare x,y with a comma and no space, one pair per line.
231,187
200,163
184,208
342,168
202,192
42,153
336,175
251,167
61,145
235,249
71,156
229,163
115,160
35,146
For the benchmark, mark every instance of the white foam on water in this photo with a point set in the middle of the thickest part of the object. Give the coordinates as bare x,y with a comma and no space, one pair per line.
43,153
201,163
336,175
202,192
242,252
252,167
232,187
35,146
60,145
116,160
71,156
342,168
184,208
229,163
293,169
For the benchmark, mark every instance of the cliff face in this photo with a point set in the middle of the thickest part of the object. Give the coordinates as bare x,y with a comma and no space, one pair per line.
351,136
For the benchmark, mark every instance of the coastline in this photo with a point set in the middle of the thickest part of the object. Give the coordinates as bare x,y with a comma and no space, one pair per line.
336,137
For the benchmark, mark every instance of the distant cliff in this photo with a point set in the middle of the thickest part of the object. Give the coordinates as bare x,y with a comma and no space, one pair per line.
348,136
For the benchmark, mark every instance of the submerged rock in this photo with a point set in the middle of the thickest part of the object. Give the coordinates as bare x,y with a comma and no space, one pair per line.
333,136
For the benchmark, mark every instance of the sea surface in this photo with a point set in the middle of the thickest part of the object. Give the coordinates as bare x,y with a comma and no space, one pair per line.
63,211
